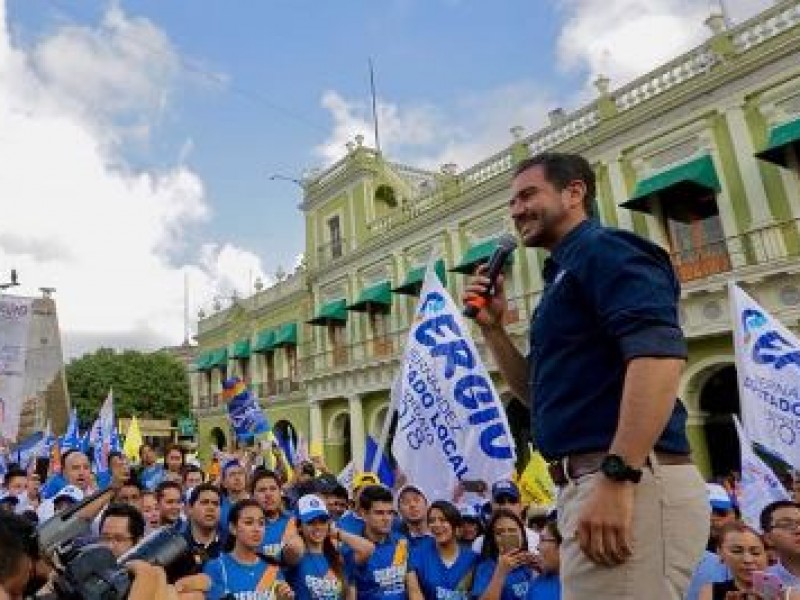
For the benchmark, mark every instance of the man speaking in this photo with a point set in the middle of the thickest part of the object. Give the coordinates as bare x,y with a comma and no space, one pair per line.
601,378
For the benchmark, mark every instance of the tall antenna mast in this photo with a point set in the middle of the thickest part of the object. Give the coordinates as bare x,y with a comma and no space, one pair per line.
374,106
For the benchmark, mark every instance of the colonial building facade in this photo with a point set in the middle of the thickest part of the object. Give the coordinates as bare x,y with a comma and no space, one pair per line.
700,155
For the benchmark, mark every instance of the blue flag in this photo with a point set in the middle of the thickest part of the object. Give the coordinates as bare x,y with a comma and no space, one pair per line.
71,440
247,418
287,447
384,470
116,443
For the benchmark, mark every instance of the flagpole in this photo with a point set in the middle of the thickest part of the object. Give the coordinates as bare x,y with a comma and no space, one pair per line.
387,425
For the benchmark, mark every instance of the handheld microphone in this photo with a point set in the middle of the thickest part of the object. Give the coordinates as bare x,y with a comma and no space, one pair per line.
505,246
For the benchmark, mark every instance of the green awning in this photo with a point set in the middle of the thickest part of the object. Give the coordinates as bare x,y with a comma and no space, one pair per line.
476,255
218,358
687,179
241,349
781,138
265,341
286,335
378,296
201,363
332,312
413,281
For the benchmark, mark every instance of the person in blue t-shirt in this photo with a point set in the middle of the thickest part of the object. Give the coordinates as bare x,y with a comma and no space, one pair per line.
151,473
383,576
234,486
547,586
265,488
442,570
242,572
412,504
351,521
316,567
504,572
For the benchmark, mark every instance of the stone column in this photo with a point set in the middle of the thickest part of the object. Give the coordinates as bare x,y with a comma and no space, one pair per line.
766,240
315,424
620,193
357,438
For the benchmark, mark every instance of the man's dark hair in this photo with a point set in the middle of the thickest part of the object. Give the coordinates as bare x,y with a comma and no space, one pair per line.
133,482
260,474
165,485
340,492
11,474
115,454
561,169
203,487
136,524
190,468
17,539
175,448
765,520
374,493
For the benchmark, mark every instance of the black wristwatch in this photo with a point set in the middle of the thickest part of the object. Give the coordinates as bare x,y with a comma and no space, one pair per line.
616,469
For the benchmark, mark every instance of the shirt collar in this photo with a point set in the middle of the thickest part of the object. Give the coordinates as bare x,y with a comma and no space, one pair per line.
569,241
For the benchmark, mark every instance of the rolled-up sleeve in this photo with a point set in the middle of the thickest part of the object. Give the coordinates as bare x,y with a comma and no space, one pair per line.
635,294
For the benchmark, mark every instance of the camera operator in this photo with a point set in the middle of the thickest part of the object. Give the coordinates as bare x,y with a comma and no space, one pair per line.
121,528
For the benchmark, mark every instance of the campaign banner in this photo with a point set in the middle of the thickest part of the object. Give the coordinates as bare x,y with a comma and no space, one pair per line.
759,485
451,427
15,320
247,418
768,370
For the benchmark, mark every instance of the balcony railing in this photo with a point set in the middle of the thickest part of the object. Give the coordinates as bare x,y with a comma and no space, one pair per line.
765,245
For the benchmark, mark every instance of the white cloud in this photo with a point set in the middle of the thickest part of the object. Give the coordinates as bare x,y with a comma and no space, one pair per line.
75,216
628,38
429,136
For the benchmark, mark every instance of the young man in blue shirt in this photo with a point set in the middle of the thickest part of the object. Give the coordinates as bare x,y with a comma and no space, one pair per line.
606,356
383,576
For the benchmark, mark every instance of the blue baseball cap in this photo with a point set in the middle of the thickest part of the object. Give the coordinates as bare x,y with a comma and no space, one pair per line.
505,488
718,497
311,507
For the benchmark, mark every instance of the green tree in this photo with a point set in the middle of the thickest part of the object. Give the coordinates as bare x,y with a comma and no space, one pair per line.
149,385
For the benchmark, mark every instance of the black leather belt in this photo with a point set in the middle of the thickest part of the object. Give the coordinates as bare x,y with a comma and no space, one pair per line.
572,467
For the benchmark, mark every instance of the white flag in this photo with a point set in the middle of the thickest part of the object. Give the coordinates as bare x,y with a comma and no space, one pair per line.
768,369
102,429
759,485
345,477
15,320
451,424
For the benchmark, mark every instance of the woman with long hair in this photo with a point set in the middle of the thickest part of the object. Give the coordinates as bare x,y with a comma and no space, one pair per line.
742,550
242,571
444,568
315,564
504,571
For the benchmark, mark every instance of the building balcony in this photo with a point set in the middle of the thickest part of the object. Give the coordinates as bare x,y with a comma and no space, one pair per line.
330,252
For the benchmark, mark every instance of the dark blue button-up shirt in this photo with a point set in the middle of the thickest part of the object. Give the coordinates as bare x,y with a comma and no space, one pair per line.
610,296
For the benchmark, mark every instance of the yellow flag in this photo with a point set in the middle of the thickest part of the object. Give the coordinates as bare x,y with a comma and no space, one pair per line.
133,440
316,448
535,484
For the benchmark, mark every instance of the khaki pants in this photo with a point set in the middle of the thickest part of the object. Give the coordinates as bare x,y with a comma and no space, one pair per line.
670,531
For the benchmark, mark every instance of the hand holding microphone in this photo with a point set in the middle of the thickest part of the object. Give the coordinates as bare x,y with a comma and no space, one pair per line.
485,289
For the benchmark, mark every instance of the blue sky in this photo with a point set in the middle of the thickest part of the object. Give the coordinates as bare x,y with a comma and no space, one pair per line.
160,122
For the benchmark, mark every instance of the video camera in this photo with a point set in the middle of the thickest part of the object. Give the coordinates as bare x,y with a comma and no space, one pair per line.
91,571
